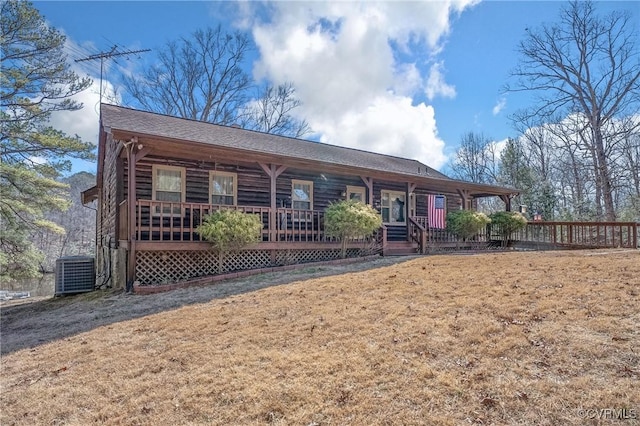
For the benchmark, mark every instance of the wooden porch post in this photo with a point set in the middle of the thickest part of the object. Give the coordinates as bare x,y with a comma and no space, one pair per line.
465,195
273,171
507,202
369,183
412,201
409,205
131,200
131,203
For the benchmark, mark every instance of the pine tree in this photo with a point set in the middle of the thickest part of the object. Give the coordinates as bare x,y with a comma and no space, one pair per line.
36,80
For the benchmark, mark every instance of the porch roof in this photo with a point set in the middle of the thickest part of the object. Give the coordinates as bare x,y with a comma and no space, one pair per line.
116,119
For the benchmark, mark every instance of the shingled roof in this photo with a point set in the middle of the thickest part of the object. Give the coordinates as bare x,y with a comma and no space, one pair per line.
147,123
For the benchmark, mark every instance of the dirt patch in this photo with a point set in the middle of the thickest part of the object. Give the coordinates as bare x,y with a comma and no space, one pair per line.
504,338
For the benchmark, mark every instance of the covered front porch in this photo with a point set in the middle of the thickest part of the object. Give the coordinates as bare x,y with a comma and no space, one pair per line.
168,248
165,247
177,223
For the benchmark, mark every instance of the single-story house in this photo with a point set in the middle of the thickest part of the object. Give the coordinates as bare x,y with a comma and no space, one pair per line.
158,176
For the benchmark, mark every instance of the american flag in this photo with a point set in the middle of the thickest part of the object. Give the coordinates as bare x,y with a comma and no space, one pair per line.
437,210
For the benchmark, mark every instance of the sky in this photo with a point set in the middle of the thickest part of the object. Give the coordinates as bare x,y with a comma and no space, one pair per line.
400,78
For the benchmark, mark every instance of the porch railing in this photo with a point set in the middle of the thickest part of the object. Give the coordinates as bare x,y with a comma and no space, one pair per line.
165,221
300,225
418,233
436,236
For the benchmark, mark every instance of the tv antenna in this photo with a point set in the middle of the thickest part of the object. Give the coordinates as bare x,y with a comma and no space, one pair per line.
108,55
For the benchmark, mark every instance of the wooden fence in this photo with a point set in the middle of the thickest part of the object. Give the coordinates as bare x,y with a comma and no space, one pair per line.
577,234
535,235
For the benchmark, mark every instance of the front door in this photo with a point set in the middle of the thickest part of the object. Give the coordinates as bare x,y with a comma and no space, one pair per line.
393,208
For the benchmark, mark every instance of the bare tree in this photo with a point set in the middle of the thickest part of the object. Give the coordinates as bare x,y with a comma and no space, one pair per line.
200,78
537,144
629,167
476,160
574,164
271,112
586,64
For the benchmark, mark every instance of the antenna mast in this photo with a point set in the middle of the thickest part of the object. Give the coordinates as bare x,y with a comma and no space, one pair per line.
108,55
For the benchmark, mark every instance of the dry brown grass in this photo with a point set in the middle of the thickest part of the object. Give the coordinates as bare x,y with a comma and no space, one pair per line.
504,338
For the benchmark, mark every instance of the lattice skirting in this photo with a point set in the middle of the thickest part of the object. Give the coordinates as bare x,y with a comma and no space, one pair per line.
164,267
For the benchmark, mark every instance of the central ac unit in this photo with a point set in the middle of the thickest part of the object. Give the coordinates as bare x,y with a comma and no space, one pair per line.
75,274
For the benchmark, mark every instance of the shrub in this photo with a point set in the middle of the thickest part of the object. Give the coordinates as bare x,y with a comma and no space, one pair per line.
466,223
350,219
507,222
229,230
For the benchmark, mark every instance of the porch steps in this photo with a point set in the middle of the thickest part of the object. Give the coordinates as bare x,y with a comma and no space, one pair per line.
401,248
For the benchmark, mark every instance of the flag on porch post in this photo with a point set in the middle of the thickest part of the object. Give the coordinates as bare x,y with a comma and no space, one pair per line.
437,210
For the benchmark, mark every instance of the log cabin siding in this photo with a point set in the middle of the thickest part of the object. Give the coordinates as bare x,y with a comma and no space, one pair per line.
253,187
252,182
422,209
327,188
254,190
109,194
454,202
107,231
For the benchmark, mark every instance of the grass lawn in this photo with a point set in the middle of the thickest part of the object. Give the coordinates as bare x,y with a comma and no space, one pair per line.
543,338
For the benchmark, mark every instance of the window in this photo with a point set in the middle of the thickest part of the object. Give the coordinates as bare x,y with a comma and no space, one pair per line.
223,188
168,186
357,193
302,194
392,207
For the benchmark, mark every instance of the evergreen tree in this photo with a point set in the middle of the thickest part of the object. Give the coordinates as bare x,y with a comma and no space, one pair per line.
515,170
36,80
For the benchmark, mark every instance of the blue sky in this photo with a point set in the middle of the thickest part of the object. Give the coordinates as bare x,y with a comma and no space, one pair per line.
402,78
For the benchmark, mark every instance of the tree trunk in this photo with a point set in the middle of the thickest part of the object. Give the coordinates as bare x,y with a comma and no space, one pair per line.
220,262
604,176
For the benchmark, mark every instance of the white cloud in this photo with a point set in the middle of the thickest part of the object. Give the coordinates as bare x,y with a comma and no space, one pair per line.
499,106
407,79
354,90
498,146
376,129
84,122
436,86
37,160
